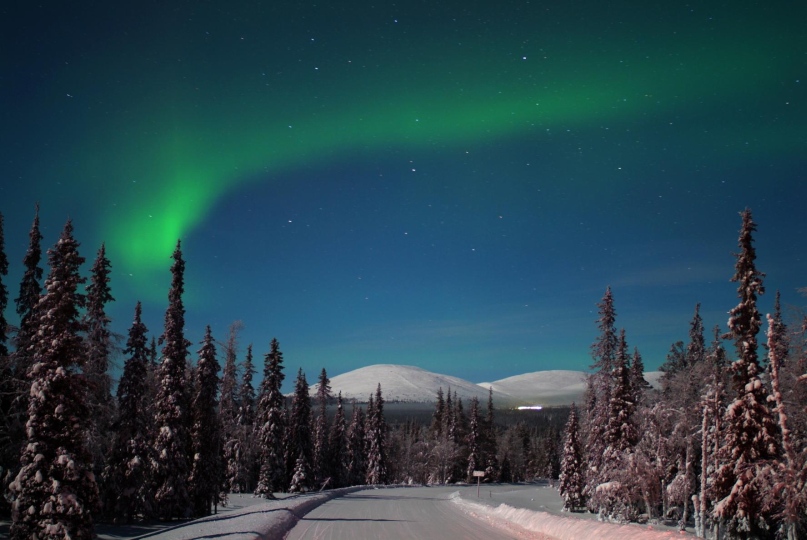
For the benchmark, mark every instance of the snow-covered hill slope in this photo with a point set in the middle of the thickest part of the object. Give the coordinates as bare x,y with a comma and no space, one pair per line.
551,387
400,383
415,385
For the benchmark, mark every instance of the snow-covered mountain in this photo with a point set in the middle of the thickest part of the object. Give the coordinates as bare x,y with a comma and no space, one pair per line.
400,383
413,384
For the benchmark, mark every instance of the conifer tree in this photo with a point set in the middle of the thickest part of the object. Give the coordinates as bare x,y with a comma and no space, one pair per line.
377,466
321,469
206,474
357,461
99,349
21,359
638,384
740,506
246,419
572,478
55,491
170,466
598,391
30,291
786,489
438,414
228,414
299,444
270,425
489,449
475,459
696,349
127,477
337,445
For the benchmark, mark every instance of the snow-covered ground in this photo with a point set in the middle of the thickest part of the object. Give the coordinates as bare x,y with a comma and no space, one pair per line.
538,508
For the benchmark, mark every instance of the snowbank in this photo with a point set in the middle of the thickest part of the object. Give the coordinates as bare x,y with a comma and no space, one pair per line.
268,520
562,527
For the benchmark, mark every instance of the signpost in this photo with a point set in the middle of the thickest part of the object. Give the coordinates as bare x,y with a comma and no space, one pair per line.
478,475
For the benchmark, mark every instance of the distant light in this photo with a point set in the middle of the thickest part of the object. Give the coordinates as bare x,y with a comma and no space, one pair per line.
530,408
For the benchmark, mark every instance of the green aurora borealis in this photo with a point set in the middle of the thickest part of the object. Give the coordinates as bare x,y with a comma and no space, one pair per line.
145,123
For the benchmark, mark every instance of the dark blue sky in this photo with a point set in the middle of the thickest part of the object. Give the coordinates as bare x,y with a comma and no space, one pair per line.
450,185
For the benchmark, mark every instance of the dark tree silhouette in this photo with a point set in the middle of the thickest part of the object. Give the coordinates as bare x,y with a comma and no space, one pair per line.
270,425
171,467
55,491
206,473
127,478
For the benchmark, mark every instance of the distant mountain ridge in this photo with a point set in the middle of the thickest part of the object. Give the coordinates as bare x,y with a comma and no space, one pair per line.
416,385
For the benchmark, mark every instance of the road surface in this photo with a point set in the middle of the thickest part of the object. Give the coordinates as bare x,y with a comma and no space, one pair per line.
421,513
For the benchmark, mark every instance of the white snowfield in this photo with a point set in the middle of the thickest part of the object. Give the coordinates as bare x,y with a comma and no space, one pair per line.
416,385
501,511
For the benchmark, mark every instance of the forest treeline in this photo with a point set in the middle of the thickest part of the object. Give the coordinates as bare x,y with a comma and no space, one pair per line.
720,447
180,432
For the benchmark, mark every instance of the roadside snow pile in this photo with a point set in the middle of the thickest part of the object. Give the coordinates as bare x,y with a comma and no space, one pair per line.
269,520
561,527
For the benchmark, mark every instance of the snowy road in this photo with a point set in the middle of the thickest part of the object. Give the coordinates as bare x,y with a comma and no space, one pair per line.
397,513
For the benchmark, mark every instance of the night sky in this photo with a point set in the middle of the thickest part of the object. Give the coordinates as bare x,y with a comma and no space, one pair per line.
450,184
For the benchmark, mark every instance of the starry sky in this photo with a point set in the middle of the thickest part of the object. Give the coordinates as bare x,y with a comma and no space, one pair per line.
450,185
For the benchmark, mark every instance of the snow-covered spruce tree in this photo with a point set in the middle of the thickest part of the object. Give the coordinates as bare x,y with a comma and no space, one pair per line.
320,463
270,425
299,444
357,460
436,428
206,473
228,414
638,384
377,467
99,349
171,464
598,390
127,478
299,480
784,483
248,461
55,493
572,478
616,493
21,359
337,446
489,447
474,444
751,434
26,302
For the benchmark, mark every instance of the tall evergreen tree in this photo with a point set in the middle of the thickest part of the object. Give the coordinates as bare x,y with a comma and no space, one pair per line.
377,466
99,349
489,447
228,414
206,474
246,420
299,445
55,491
572,478
598,391
171,418
21,359
127,478
30,291
751,433
638,384
696,349
337,445
475,458
357,460
321,469
270,425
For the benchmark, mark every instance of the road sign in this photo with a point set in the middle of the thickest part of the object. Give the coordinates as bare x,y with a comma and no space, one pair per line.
479,473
